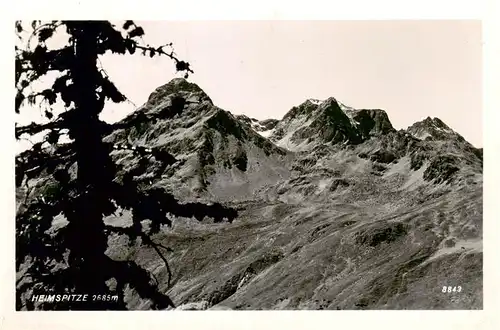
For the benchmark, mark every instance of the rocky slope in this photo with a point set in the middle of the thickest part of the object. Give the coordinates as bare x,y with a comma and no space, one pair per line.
337,208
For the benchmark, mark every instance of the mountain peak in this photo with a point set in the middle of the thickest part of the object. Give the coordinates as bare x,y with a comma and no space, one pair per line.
330,121
181,84
315,121
433,128
435,122
179,87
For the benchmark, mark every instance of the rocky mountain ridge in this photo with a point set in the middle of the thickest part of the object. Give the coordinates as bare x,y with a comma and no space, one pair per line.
338,209
216,141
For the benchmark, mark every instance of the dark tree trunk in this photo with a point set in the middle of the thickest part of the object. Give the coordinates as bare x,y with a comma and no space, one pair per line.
88,239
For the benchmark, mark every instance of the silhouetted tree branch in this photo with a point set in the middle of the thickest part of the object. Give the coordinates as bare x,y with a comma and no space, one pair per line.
84,198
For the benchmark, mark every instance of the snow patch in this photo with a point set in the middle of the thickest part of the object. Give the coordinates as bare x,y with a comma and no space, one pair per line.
315,101
422,135
349,112
467,246
286,141
345,108
267,133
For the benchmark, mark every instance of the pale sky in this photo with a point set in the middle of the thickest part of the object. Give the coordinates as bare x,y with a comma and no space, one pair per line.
412,69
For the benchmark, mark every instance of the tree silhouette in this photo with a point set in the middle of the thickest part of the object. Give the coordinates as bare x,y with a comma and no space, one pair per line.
86,198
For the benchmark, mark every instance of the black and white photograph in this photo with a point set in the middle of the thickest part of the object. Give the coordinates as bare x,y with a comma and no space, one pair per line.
233,165
248,165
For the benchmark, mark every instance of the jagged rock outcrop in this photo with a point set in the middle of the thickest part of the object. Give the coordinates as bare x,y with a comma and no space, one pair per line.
314,122
372,122
433,129
337,208
331,122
